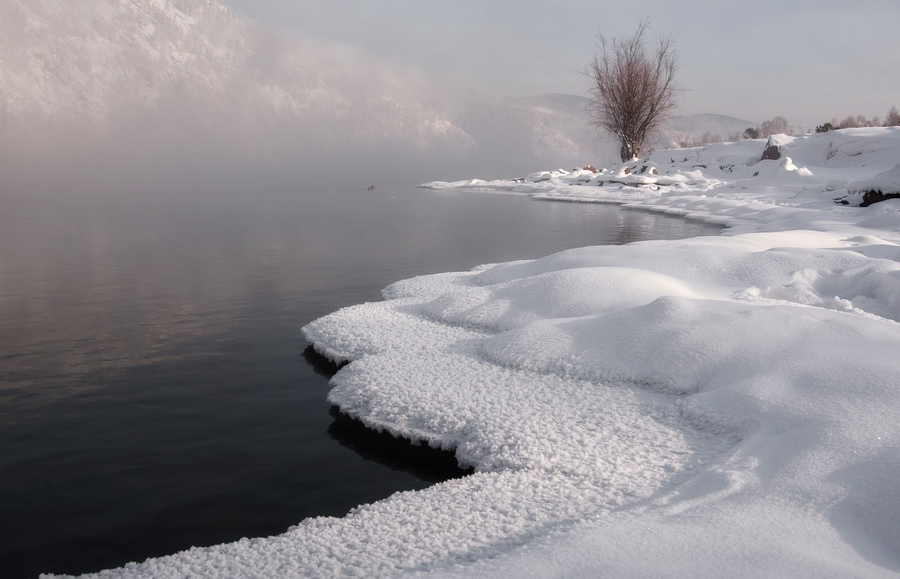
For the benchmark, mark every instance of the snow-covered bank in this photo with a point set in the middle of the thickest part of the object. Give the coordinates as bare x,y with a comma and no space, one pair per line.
713,406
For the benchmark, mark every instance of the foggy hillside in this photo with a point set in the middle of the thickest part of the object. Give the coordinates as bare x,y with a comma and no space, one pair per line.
685,128
150,95
92,62
555,124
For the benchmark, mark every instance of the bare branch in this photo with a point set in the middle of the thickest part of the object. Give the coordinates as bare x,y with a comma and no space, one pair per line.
632,91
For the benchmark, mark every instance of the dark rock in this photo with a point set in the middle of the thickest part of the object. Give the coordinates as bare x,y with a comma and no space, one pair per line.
870,197
772,151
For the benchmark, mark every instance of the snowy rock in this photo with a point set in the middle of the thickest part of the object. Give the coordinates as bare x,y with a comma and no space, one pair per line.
774,146
883,186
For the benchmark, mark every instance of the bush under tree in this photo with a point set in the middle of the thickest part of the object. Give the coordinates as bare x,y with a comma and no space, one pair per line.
633,91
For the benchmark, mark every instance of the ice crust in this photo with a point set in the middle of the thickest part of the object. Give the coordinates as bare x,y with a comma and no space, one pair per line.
717,406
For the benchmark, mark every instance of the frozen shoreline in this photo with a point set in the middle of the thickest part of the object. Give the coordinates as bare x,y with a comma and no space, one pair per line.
718,405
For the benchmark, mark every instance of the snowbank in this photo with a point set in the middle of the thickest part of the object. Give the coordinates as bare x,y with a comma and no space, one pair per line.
713,406
882,186
812,172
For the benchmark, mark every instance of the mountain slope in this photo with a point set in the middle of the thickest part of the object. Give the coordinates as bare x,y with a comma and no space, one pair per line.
693,127
92,62
81,59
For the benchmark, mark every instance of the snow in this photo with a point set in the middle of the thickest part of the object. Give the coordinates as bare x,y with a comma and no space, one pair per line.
716,406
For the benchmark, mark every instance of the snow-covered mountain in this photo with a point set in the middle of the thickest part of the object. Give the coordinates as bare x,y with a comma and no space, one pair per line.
84,59
92,62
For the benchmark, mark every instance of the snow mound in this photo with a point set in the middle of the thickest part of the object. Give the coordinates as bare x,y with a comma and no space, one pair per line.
885,183
521,368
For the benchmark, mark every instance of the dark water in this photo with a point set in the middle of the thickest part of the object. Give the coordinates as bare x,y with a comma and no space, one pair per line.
154,392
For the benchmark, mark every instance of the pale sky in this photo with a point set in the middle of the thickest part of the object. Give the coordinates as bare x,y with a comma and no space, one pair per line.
806,60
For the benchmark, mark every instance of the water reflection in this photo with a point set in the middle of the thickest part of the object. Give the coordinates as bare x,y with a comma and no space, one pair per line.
427,464
320,364
153,395
88,292
420,460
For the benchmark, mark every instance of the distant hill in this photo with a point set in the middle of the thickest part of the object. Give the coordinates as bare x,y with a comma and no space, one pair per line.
559,125
547,131
692,127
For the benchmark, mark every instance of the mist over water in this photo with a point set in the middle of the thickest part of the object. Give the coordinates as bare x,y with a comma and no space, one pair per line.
163,156
103,99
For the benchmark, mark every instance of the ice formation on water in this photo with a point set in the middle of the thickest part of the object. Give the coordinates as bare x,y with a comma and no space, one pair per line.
721,406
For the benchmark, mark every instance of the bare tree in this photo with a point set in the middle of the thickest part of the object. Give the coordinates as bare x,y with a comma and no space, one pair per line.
848,123
893,118
774,126
632,91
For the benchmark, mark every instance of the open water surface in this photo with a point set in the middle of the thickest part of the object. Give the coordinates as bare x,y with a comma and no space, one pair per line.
155,392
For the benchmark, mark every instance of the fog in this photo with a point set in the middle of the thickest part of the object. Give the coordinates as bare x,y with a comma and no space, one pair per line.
171,153
188,100
213,97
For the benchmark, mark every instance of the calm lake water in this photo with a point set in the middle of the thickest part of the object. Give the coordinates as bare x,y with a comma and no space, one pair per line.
154,391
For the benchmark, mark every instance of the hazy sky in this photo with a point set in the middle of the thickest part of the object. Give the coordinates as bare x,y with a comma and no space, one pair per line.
806,60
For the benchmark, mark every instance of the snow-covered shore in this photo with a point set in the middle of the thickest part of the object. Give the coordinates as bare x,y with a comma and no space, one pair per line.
723,406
